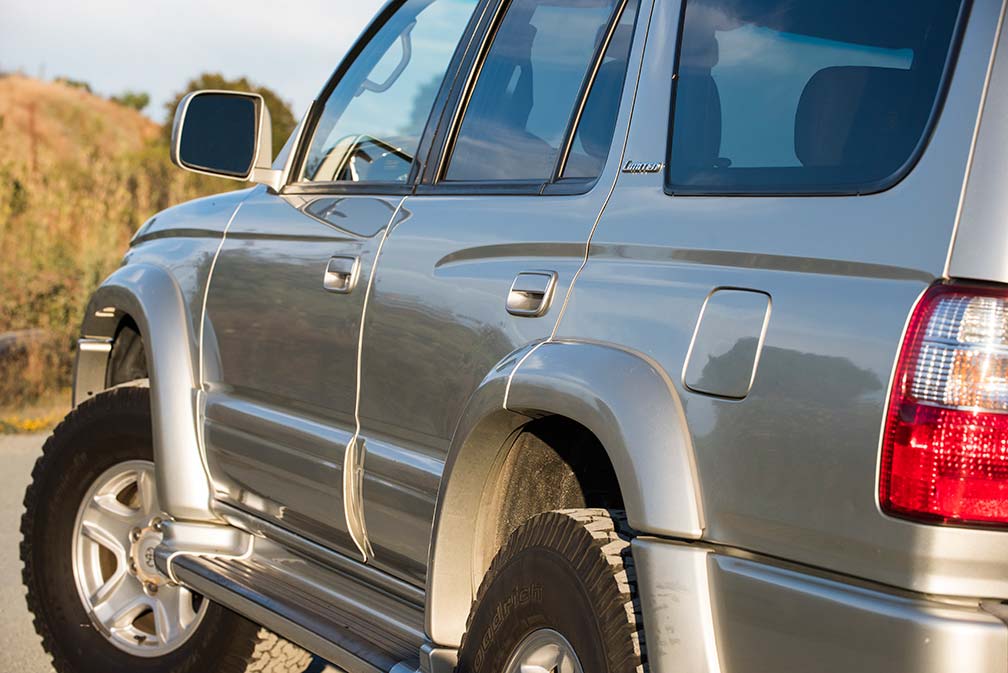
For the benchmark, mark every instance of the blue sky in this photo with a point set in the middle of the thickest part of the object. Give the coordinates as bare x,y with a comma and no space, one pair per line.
157,46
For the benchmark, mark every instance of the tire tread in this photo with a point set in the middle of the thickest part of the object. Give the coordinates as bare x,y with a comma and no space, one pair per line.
610,536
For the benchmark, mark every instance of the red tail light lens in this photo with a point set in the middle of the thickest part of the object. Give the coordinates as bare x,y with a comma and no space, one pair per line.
945,448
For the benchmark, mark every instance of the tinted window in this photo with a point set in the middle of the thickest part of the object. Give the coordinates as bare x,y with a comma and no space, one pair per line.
777,96
372,122
219,134
598,119
517,116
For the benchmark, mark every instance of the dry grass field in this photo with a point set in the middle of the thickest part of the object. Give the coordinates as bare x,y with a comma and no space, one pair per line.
78,175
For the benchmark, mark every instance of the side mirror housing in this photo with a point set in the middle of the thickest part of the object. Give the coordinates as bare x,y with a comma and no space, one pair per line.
225,134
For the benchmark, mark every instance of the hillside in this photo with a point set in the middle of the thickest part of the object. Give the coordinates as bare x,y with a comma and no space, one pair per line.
78,175
64,123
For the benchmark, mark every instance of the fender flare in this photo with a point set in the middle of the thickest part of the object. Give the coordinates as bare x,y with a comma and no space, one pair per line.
633,408
623,398
150,296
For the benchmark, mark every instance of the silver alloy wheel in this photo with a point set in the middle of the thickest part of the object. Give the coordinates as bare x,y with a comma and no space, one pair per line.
544,651
129,601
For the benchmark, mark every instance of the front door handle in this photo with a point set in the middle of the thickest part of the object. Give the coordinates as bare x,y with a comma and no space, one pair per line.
531,293
341,274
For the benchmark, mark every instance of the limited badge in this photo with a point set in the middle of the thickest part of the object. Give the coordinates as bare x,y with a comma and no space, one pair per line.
639,167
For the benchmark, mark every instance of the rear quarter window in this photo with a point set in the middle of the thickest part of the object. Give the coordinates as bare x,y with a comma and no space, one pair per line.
807,96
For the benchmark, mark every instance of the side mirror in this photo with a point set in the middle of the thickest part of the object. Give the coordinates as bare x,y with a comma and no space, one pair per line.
226,134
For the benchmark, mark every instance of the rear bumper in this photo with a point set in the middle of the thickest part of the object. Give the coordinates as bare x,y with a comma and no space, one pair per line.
711,613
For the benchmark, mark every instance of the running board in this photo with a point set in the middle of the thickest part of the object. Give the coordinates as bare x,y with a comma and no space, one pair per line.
328,612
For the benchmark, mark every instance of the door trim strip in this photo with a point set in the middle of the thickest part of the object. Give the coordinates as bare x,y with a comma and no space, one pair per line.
353,455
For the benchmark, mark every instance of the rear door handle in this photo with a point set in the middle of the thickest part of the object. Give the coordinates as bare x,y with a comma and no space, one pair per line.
341,274
531,293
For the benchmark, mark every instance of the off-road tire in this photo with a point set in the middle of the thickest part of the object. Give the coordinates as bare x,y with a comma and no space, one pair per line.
569,571
108,429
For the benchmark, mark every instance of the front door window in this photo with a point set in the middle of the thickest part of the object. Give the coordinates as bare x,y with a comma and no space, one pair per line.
371,124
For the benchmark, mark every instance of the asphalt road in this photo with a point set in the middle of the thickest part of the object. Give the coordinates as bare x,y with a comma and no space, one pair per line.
20,649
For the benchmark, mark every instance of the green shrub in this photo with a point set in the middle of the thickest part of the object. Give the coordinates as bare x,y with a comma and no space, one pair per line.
137,100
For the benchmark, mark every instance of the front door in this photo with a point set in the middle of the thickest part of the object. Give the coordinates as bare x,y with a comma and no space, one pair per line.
288,290
480,261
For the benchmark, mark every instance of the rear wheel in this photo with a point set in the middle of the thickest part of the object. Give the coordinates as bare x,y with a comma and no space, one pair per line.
92,520
558,598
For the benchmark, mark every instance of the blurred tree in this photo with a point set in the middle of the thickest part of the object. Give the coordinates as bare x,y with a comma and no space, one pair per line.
74,83
282,118
137,100
423,101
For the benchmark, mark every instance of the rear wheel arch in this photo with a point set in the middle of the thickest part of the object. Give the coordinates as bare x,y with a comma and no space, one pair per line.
632,406
552,463
617,403
509,469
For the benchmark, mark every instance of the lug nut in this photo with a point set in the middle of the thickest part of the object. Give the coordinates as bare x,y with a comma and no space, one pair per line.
132,567
150,588
157,524
135,534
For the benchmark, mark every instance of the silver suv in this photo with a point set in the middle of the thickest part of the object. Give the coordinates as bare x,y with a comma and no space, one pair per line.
563,336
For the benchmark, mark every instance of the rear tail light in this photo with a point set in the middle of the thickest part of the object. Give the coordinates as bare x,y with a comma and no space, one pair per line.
945,448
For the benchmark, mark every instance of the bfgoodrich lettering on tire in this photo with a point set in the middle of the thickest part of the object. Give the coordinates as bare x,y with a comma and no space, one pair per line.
559,596
91,518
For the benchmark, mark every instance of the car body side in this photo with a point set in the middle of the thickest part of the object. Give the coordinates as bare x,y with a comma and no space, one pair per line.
770,498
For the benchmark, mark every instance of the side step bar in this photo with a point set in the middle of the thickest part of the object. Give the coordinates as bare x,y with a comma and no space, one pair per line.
355,626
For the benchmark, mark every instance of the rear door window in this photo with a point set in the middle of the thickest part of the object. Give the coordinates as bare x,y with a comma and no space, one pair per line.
816,96
519,112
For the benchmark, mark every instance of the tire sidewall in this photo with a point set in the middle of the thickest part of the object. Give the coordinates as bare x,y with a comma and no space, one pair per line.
568,571
538,589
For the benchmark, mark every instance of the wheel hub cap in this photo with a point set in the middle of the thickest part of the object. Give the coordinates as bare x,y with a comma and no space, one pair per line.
142,558
129,601
544,651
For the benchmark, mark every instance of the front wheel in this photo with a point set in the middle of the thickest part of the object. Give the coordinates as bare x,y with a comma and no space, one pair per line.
558,598
92,520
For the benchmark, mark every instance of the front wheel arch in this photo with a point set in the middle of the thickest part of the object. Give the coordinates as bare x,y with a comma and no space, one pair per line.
150,297
127,359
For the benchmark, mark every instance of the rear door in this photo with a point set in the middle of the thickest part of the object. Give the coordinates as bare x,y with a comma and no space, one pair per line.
480,261
284,308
